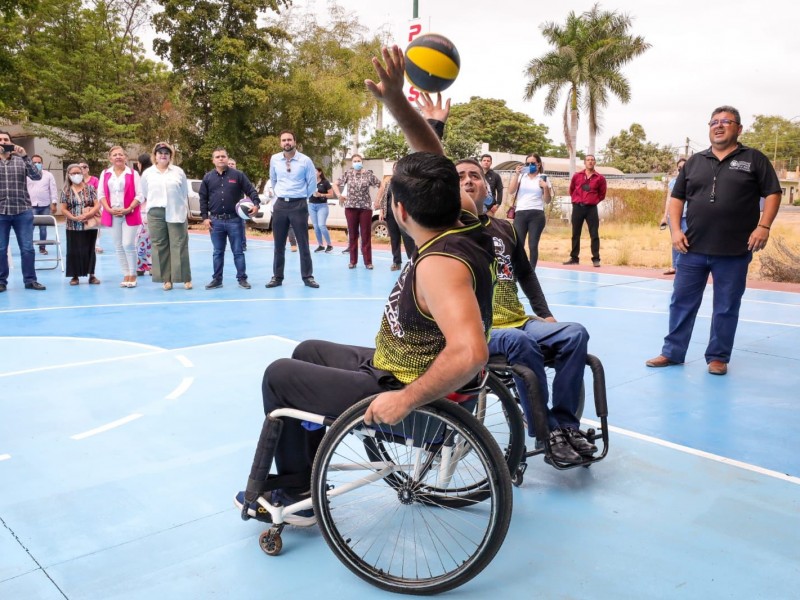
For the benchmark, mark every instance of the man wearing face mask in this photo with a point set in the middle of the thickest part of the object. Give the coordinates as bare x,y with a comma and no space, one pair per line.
587,189
15,210
43,195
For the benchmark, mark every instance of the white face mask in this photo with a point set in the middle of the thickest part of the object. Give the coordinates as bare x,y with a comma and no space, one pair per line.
76,178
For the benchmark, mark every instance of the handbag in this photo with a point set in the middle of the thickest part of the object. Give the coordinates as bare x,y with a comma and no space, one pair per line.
92,222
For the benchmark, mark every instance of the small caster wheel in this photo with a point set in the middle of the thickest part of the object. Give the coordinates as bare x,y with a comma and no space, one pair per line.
517,478
270,542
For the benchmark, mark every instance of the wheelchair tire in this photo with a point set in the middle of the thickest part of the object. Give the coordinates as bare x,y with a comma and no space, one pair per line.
405,537
497,409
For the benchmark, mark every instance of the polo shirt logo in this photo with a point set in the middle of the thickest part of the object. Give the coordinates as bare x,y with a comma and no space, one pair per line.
740,165
231,181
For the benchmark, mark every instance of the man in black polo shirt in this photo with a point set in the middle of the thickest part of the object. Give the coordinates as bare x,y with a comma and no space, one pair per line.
221,189
722,186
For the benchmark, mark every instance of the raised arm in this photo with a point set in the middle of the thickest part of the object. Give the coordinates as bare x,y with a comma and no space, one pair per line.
389,90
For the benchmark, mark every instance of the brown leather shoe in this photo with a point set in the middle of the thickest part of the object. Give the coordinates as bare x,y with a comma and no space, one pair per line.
660,361
717,367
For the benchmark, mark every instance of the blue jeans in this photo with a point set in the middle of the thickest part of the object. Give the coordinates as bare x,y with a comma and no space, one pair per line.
23,229
675,254
319,215
223,230
730,280
529,345
41,210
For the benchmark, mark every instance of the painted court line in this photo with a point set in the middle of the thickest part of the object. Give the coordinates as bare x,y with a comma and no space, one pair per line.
81,364
181,389
106,427
702,454
184,361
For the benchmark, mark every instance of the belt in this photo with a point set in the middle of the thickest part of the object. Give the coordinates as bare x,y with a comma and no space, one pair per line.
224,216
291,199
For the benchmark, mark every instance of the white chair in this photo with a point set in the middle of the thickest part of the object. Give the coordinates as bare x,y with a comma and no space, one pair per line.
48,221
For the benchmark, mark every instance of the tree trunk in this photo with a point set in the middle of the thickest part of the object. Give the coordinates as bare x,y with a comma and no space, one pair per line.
573,131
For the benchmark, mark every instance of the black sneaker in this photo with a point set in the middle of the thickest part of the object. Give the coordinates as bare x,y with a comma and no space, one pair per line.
579,443
561,451
243,283
320,249
329,249
214,284
571,261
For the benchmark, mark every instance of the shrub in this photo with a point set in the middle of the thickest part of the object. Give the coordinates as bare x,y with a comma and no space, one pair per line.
637,207
780,262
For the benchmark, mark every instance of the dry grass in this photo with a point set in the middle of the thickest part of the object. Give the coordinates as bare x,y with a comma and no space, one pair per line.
647,246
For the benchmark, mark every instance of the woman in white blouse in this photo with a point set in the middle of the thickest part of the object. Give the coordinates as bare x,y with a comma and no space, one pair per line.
532,192
166,191
120,194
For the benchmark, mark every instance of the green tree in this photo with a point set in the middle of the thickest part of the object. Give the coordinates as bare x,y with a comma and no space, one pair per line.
776,137
490,121
388,143
630,152
588,53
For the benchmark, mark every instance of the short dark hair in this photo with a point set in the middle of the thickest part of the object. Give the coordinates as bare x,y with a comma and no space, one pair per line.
37,156
289,131
427,185
8,134
489,156
219,149
588,155
727,109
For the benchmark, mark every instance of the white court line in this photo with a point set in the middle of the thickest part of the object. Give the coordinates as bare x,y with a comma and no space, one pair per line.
240,340
106,427
73,338
181,389
81,364
183,302
686,450
5,456
184,361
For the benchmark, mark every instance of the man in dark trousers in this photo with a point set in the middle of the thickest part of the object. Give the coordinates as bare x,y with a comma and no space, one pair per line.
587,189
16,211
294,179
494,183
721,188
220,191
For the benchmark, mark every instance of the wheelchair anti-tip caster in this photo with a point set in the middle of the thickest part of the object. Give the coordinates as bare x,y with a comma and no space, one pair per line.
271,542
519,474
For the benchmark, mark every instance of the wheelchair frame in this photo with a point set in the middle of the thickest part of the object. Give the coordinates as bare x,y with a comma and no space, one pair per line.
439,461
501,384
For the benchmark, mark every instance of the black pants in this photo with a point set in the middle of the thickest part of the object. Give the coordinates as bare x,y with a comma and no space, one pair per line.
588,213
284,214
530,223
322,378
395,236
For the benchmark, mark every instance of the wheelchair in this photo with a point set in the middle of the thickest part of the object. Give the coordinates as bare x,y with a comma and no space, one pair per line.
420,507
498,408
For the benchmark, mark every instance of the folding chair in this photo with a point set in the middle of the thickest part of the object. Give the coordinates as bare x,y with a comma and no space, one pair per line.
48,221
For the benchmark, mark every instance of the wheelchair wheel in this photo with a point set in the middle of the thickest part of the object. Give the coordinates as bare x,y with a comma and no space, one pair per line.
499,412
407,536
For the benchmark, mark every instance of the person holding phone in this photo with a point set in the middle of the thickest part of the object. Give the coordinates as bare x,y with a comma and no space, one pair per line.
16,211
587,189
532,191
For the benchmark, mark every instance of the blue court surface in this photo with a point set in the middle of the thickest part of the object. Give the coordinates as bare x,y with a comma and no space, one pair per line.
129,417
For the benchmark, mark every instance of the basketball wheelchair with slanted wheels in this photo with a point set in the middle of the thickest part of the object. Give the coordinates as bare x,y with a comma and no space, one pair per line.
420,507
498,408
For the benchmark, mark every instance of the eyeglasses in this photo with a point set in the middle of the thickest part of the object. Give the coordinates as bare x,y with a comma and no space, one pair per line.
726,122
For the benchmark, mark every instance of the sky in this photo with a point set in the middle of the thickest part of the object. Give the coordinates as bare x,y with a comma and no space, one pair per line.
705,53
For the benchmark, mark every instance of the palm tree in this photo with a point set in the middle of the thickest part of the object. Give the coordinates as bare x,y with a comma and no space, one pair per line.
589,51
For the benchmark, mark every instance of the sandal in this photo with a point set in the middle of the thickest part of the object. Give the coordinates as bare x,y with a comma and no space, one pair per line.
74,281
351,266
94,280
370,267
167,286
187,285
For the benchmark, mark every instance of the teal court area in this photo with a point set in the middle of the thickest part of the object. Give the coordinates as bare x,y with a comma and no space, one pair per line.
129,417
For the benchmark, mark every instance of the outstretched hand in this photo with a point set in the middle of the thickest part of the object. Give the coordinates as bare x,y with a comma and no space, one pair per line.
431,110
391,75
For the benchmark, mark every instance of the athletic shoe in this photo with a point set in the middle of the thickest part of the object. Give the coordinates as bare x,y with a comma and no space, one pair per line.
254,509
320,249
329,249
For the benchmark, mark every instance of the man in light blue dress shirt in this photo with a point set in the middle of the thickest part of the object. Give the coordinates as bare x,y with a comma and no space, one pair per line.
294,179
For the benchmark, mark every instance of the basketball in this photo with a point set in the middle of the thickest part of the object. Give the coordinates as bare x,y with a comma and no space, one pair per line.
243,208
432,63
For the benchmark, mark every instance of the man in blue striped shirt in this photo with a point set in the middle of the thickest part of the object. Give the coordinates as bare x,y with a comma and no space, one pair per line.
294,179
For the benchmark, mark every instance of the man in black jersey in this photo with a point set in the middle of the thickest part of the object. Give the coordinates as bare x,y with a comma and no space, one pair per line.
432,338
526,340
